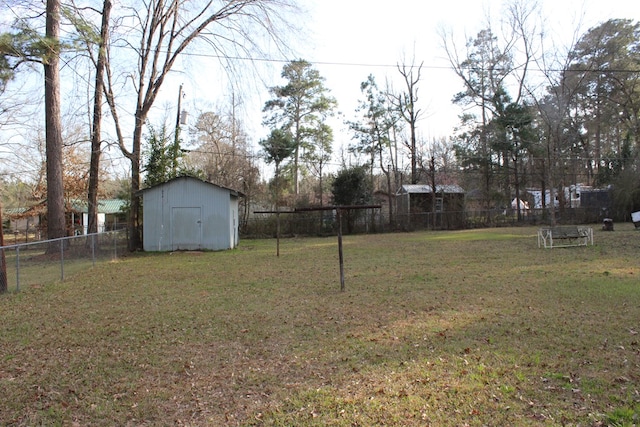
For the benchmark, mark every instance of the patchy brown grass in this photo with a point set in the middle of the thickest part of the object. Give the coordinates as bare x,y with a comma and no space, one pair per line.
474,327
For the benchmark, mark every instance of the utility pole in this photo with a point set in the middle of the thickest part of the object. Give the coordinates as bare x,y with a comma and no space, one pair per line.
176,142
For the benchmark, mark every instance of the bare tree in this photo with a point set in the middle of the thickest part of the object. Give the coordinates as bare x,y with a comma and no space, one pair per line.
437,160
494,73
96,135
160,33
222,154
376,130
406,103
554,113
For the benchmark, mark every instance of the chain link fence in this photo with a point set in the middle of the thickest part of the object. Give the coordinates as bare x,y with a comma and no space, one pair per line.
323,223
46,261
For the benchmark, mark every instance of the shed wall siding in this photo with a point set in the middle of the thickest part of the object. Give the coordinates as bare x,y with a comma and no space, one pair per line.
179,200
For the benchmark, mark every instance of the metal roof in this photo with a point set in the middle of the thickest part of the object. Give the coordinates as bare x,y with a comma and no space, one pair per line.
14,211
425,189
109,206
187,177
112,206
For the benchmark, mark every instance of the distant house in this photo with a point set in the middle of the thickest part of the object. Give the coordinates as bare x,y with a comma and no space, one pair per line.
21,219
415,205
187,213
111,215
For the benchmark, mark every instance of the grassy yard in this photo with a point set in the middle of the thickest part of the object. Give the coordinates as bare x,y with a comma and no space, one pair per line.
477,327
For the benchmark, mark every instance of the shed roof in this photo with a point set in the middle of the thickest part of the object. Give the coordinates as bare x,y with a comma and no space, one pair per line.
426,188
186,177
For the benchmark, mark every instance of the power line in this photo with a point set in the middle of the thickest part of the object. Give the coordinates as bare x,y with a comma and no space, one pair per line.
383,65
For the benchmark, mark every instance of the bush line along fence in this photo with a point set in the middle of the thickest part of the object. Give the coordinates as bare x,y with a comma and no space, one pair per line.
374,221
42,262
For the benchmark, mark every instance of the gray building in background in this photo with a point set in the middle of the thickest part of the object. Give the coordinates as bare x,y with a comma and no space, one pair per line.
187,213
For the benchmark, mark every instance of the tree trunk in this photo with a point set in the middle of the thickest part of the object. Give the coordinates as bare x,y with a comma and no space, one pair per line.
432,178
551,160
135,241
516,183
296,160
321,196
506,157
484,147
390,195
55,189
3,260
414,163
94,166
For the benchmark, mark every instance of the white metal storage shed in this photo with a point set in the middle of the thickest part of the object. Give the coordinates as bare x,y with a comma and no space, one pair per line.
187,213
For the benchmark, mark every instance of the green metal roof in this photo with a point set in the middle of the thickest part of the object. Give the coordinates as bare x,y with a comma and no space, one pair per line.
110,206
14,211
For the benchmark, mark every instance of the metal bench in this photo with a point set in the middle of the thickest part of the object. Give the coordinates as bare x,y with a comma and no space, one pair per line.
635,217
565,236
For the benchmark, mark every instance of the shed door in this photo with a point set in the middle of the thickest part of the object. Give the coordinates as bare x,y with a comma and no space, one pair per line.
186,229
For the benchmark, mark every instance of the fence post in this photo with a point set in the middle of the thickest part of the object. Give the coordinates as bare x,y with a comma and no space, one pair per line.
4,281
115,244
17,268
61,260
93,249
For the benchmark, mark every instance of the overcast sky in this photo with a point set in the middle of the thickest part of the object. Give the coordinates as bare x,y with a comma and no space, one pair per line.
350,39
371,32
346,40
